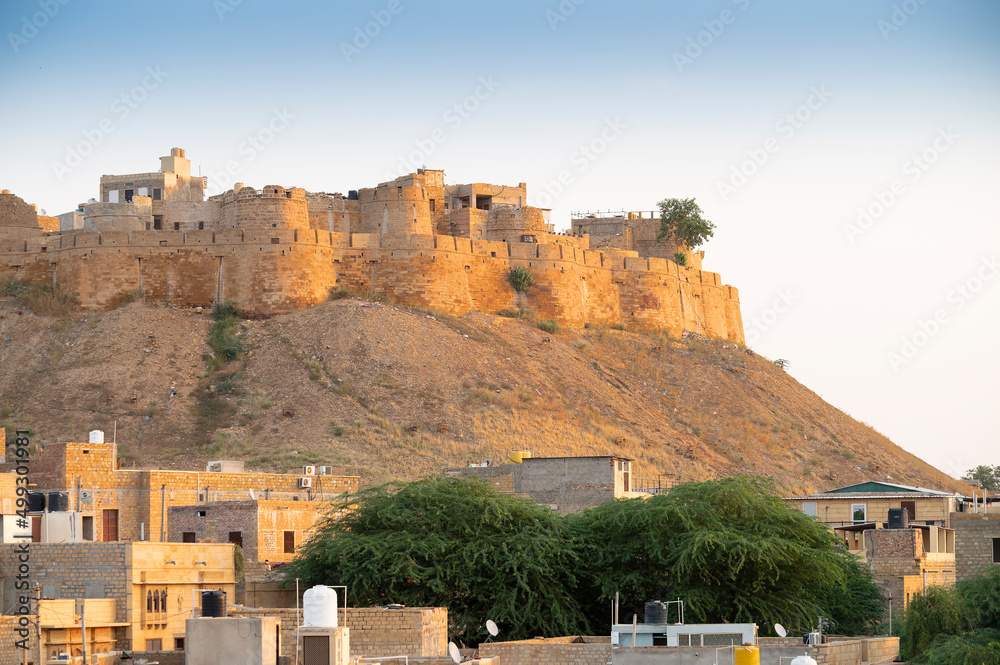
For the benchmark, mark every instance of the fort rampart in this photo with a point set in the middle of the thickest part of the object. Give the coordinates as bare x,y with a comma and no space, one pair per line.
278,270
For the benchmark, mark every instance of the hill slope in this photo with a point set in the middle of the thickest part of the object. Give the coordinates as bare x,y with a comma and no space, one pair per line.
388,392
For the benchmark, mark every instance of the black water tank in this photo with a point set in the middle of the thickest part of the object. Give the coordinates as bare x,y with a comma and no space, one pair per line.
656,613
899,518
58,502
213,603
36,502
352,195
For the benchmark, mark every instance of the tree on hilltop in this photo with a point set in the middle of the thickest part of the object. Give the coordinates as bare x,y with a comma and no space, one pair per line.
988,476
681,221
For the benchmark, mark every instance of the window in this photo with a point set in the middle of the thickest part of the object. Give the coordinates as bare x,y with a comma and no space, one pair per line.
910,507
154,645
129,193
996,550
201,226
157,194
236,538
177,226
188,537
113,196
289,542
109,523
809,508
178,644
201,513
859,513
432,205
158,222
88,527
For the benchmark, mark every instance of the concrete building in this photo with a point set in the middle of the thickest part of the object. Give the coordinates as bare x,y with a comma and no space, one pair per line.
871,501
977,542
154,586
565,484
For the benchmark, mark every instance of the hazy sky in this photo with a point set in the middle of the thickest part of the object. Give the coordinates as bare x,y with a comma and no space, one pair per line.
847,151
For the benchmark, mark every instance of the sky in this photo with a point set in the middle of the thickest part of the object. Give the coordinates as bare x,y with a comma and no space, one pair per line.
844,150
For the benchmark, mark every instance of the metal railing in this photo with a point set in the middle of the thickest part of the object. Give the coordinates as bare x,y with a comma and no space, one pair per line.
653,485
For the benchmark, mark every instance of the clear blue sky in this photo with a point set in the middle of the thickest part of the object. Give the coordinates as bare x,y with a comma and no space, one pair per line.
784,119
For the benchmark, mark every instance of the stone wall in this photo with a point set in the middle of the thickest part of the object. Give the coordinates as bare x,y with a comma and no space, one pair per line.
10,653
375,631
975,534
553,651
394,210
119,217
17,218
279,271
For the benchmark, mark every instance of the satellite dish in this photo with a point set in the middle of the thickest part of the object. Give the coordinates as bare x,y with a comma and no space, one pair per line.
780,630
86,497
491,628
456,657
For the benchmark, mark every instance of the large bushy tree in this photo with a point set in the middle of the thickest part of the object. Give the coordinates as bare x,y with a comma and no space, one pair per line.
731,549
988,476
451,543
681,220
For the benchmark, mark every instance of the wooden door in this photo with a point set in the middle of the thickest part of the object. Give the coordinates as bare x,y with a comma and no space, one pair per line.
109,525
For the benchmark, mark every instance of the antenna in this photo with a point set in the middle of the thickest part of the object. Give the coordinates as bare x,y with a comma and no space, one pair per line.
491,628
780,630
456,657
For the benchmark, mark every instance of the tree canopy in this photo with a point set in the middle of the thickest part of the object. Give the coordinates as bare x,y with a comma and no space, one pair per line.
988,476
451,543
681,220
731,549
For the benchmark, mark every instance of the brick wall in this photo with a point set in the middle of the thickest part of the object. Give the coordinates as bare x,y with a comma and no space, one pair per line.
554,651
974,534
10,654
411,631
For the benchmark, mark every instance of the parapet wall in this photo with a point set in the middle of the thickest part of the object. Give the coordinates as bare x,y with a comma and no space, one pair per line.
274,271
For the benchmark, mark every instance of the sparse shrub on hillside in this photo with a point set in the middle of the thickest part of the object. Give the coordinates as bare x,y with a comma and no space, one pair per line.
135,295
618,326
521,279
549,326
44,300
13,288
315,369
510,313
580,345
224,338
338,293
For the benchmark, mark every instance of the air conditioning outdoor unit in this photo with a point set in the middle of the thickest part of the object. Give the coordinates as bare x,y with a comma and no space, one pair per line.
326,471
308,471
305,483
325,646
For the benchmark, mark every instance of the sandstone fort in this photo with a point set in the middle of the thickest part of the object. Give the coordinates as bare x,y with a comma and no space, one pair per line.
414,240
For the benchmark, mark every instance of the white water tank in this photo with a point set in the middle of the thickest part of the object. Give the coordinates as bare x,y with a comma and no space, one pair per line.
319,607
96,436
804,659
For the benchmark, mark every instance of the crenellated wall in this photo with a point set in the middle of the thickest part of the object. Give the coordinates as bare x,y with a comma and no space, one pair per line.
274,271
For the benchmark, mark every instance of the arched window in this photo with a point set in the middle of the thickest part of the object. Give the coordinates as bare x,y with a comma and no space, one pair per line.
149,601
156,601
163,600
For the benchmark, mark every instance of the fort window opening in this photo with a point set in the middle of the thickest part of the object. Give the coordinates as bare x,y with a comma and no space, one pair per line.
236,538
399,192
128,195
88,527
157,222
996,550
157,194
178,644
188,537
201,226
432,205
484,202
201,513
177,226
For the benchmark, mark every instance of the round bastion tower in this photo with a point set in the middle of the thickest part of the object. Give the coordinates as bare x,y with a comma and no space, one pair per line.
272,208
395,210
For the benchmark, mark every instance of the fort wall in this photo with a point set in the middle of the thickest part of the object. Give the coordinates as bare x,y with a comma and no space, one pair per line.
395,210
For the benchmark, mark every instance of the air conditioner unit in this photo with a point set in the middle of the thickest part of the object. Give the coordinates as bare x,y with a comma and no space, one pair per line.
308,471
214,467
325,646
305,483
326,471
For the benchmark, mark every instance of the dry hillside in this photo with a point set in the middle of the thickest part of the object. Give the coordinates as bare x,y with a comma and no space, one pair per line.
388,392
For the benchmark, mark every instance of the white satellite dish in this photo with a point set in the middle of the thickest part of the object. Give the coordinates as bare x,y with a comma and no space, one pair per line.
86,497
491,628
456,657
780,630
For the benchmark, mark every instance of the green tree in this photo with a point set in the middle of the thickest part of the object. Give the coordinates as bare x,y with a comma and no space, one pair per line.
681,221
938,613
452,543
988,476
730,548
521,279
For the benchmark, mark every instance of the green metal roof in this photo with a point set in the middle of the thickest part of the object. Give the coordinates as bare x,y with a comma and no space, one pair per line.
875,486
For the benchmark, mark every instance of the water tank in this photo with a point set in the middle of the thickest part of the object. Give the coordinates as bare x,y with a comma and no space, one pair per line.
58,502
804,659
352,195
746,655
36,502
213,603
656,612
899,518
319,607
96,436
